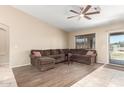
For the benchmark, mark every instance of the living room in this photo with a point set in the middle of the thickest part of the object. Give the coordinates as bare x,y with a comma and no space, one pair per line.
35,28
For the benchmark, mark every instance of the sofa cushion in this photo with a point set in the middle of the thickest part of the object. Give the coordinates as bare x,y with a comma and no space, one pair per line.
45,52
57,56
54,52
53,56
46,60
82,51
60,60
73,51
61,51
66,51
75,55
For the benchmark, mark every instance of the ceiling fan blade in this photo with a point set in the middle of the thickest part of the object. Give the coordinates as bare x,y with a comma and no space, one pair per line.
91,13
81,10
87,8
87,17
72,16
74,11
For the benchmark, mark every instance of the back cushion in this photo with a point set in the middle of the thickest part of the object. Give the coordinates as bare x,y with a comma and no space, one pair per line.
78,51
61,51
54,52
65,50
84,51
46,52
74,51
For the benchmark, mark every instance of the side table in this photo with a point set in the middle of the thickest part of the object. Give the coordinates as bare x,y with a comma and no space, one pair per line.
67,56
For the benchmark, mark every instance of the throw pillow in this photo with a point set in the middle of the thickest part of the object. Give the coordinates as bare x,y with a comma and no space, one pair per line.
89,53
36,54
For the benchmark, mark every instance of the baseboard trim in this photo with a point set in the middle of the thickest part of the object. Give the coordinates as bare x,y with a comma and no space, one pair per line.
116,65
20,65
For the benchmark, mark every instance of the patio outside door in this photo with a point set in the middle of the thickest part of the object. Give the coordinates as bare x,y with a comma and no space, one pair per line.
116,48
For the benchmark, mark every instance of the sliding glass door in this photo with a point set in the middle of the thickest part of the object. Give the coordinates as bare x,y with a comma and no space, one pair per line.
116,49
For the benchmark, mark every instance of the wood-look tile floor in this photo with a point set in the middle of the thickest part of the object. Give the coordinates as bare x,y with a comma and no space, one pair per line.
6,76
62,75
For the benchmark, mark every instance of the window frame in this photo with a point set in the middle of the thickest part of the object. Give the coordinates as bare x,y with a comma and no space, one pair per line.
85,38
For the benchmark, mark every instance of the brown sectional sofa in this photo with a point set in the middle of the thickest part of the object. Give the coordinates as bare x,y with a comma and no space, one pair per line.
62,55
79,55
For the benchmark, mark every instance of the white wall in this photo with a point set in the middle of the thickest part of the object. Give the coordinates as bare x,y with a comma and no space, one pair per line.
27,32
101,39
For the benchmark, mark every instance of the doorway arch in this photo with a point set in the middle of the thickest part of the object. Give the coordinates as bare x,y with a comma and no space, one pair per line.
4,44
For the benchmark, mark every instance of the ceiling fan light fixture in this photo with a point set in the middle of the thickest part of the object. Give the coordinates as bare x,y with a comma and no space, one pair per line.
81,15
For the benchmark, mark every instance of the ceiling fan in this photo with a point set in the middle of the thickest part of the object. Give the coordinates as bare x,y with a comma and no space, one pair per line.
84,12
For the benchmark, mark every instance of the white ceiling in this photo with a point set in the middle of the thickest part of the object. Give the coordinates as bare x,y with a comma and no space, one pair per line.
56,15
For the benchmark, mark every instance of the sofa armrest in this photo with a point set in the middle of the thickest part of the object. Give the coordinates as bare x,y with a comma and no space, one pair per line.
33,57
90,58
93,55
86,55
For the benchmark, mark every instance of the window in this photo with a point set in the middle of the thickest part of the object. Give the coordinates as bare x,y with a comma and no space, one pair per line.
85,41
